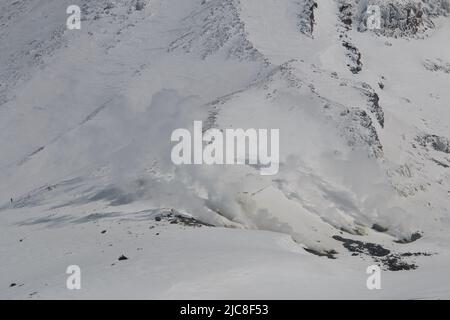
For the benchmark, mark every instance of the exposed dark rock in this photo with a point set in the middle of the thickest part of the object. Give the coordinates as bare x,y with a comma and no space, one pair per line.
416,254
188,221
347,21
376,108
140,5
327,253
394,263
123,257
414,237
391,261
355,57
371,249
373,101
438,143
346,15
306,17
379,228
177,218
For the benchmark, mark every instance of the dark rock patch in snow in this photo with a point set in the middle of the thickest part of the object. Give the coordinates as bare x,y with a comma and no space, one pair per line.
414,237
306,17
187,221
174,217
391,261
327,253
438,143
122,258
416,254
346,15
395,263
139,5
355,57
374,102
368,248
376,108
379,228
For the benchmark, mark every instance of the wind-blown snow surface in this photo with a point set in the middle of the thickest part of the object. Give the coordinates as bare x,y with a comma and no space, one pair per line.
86,118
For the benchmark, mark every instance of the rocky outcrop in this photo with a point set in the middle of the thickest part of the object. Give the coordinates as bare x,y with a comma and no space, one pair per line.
438,143
373,101
306,17
354,55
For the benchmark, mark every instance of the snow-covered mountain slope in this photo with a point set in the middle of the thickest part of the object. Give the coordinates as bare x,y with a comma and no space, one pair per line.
87,115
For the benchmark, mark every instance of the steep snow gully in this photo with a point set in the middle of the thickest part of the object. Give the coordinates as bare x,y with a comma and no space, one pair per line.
364,148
